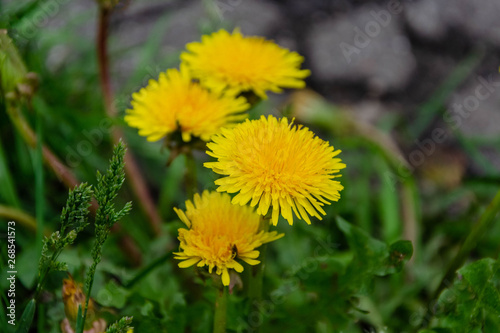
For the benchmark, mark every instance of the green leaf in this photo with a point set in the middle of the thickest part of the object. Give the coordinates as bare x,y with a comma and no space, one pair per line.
371,257
27,317
479,275
369,252
112,295
26,273
472,301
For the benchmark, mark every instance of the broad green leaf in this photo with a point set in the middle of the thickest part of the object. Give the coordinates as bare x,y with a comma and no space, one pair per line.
112,295
371,258
472,302
368,250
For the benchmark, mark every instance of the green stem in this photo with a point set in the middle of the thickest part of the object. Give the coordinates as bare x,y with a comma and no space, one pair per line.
409,209
87,299
485,223
87,294
96,255
26,220
146,270
39,186
256,277
220,315
191,179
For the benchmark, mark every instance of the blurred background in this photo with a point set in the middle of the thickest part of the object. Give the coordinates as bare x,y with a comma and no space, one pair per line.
402,63
409,90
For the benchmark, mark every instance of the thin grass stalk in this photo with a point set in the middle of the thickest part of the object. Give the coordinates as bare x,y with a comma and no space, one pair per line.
39,184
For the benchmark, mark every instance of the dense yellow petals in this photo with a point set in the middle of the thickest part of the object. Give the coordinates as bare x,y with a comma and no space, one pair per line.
270,162
175,102
219,233
237,63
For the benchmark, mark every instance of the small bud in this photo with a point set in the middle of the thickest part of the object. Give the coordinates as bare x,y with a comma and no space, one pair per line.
11,65
73,297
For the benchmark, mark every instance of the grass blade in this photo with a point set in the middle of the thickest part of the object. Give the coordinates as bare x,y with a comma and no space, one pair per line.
27,317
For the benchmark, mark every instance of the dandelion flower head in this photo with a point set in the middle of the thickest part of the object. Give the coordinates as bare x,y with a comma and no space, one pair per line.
240,63
219,233
175,102
271,162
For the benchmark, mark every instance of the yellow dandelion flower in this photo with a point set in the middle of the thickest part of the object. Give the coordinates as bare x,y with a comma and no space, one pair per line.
219,233
239,63
176,102
271,162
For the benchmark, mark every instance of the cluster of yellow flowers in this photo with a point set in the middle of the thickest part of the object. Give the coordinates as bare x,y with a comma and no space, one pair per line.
268,162
202,96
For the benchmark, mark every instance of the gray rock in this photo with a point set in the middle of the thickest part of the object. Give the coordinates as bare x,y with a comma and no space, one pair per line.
478,19
364,45
184,24
474,110
253,17
425,18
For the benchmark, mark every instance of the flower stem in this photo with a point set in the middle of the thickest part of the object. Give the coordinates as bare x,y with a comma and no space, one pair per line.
256,277
485,223
191,175
220,315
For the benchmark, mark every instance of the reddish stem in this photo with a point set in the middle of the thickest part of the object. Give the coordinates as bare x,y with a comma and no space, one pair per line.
134,175
65,175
